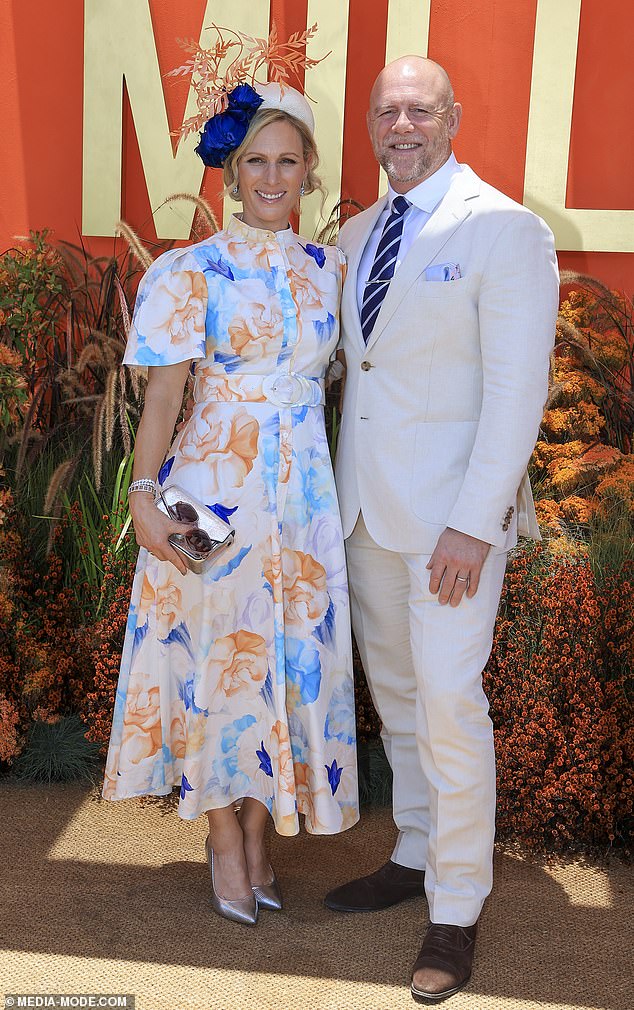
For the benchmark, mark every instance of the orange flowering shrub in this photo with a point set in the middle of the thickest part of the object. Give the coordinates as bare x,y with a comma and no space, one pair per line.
55,658
9,722
13,389
42,659
105,645
561,704
585,448
617,488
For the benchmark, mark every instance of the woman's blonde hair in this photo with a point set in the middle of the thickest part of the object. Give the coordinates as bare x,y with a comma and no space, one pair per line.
263,118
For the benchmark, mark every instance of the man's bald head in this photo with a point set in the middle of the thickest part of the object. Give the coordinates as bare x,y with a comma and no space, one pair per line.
412,119
415,70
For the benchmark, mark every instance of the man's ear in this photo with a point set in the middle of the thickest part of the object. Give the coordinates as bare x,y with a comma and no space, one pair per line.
453,119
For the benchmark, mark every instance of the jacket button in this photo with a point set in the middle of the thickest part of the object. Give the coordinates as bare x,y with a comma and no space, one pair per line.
365,366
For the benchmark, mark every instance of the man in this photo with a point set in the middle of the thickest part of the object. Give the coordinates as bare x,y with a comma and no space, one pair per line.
448,318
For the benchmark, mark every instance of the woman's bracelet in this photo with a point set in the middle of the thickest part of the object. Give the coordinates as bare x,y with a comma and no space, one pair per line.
143,484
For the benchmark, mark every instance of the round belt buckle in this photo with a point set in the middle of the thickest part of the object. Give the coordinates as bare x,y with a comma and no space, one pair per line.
286,389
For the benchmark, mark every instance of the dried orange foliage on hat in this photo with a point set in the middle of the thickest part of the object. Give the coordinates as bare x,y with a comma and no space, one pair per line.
247,55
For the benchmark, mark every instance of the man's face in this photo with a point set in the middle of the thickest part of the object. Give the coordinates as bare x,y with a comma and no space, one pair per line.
411,125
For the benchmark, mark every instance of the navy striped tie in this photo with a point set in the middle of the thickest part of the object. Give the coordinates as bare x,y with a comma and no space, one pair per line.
383,267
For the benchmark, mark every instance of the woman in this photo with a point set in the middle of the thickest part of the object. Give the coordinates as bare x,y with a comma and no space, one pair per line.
236,685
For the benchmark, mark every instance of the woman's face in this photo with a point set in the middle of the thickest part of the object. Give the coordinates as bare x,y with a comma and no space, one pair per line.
270,174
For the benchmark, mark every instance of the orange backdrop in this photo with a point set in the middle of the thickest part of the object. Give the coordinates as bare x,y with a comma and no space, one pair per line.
486,45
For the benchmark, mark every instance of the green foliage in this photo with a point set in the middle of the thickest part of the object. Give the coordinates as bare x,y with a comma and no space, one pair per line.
57,752
375,774
30,284
610,544
95,519
332,428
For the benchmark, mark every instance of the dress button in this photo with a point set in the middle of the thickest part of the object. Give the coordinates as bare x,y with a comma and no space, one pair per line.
365,366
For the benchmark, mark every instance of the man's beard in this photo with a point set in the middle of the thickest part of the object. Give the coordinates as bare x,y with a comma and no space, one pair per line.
426,160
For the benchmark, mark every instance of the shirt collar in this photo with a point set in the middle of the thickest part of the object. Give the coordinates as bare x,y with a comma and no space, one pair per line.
428,194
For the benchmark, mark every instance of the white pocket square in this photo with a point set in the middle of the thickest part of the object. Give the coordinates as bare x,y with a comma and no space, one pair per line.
443,272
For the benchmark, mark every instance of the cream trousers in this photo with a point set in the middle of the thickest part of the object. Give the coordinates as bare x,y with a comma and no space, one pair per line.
424,666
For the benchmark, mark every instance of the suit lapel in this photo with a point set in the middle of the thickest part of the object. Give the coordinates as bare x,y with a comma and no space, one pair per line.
452,212
349,307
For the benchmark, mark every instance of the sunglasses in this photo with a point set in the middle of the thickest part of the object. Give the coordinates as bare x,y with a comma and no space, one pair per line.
197,539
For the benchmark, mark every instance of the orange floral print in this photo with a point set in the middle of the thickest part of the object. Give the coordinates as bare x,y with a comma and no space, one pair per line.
147,601
168,608
223,388
255,329
226,444
272,570
237,665
178,735
176,312
305,591
282,757
142,729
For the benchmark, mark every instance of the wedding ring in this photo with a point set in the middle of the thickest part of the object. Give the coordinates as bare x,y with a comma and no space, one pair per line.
461,578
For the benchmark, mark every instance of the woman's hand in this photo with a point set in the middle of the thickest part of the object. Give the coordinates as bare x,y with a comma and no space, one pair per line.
152,528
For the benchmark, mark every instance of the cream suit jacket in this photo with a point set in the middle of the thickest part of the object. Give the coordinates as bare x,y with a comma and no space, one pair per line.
442,407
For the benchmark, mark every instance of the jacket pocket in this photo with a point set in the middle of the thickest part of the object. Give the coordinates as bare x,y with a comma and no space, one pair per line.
441,456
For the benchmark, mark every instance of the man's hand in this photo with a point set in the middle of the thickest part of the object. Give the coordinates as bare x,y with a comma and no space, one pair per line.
456,565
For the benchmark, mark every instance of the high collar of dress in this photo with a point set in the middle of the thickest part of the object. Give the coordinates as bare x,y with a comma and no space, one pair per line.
239,229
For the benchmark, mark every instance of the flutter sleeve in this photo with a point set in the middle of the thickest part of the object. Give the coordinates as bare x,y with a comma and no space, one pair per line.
168,324
343,263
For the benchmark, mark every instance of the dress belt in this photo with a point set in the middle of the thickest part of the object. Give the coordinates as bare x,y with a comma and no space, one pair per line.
283,389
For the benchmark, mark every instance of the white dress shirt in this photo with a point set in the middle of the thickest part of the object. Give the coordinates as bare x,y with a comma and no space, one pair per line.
424,199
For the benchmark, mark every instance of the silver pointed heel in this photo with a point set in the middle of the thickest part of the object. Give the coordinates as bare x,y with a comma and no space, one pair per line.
268,895
243,910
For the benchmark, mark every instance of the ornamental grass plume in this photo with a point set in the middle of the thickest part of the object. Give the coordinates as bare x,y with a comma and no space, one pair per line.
204,212
66,315
135,244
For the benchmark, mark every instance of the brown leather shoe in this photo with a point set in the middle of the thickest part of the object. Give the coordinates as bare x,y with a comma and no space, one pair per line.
385,887
445,958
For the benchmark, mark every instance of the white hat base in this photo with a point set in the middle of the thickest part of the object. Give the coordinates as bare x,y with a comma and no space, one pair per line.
287,100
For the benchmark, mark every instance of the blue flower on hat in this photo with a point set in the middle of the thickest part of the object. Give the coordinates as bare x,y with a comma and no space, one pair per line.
224,132
245,98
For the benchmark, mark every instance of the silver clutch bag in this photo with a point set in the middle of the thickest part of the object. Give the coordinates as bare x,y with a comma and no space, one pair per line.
202,546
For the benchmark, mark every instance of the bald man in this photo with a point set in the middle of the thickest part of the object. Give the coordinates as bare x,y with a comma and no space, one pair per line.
448,319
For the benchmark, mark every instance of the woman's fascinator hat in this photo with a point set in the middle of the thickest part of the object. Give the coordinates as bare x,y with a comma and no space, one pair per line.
229,98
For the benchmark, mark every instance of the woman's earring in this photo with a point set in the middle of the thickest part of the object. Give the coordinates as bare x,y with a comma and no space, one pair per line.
235,191
302,189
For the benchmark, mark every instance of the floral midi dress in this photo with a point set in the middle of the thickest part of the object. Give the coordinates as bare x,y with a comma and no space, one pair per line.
238,682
